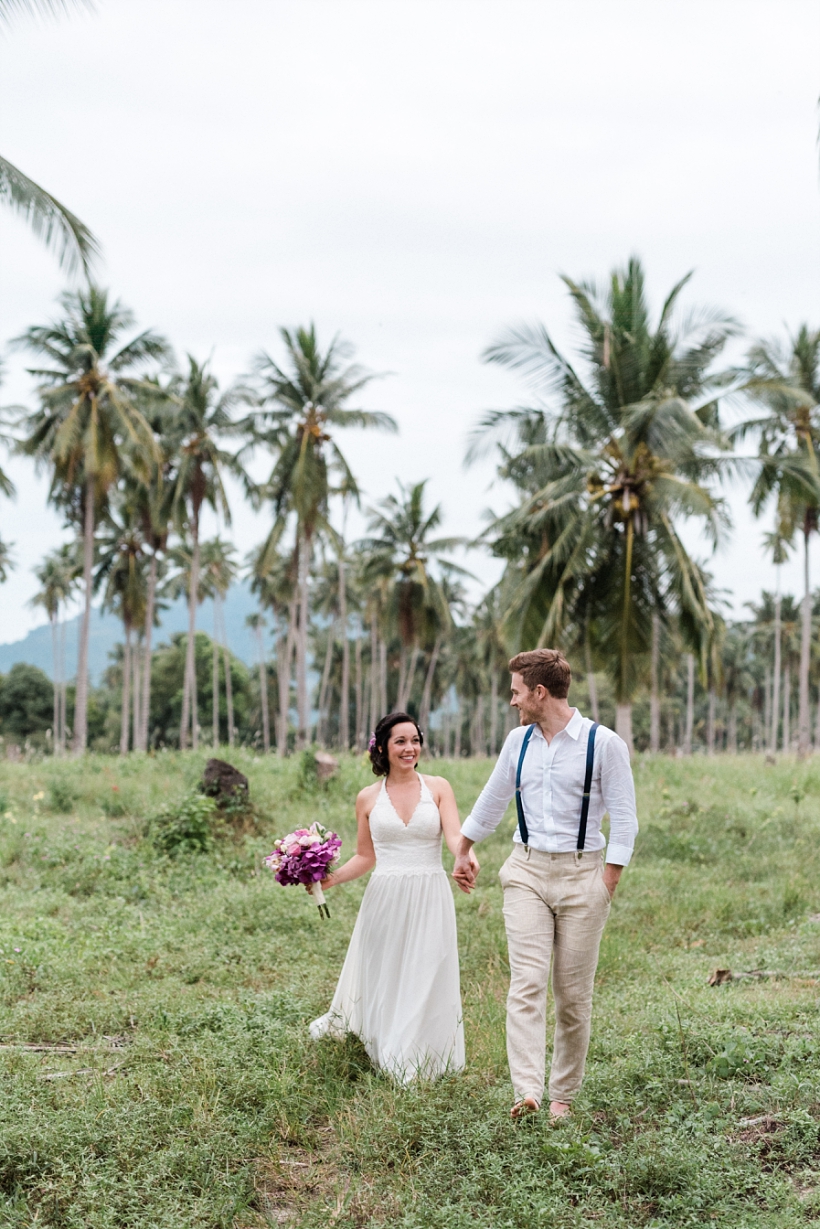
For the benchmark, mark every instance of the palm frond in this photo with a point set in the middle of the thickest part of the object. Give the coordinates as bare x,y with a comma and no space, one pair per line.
58,228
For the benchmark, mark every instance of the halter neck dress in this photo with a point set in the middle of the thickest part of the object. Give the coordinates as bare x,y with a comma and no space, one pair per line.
399,986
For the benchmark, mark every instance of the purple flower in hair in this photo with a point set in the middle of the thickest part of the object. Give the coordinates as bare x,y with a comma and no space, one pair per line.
372,742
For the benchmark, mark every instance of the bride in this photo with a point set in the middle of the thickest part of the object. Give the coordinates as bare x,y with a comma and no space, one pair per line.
399,986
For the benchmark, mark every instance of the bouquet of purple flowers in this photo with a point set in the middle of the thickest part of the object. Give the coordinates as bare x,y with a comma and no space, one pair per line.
305,856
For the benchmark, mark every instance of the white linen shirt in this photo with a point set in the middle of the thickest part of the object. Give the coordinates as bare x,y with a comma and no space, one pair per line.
552,789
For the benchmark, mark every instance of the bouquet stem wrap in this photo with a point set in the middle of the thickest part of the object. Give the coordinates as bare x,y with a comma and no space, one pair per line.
319,896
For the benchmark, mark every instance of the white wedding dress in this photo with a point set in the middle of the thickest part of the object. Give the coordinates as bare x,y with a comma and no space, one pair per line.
399,987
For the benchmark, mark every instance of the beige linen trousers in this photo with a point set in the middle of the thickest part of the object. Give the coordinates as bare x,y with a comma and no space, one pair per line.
555,909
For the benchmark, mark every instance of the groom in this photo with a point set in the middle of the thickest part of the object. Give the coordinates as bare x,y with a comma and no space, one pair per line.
565,773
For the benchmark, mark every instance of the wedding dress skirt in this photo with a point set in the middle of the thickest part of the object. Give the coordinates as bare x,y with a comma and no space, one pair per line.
399,986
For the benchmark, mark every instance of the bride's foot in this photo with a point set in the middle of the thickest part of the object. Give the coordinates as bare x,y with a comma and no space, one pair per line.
559,1109
527,1105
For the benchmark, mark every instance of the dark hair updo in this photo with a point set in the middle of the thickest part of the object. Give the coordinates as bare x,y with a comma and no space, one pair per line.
381,736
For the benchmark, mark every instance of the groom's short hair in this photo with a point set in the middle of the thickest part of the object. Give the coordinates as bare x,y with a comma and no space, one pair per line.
545,666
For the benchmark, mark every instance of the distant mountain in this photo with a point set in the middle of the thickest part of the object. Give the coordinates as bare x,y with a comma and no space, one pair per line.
106,632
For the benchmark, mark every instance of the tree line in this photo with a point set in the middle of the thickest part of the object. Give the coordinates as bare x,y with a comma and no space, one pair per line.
613,452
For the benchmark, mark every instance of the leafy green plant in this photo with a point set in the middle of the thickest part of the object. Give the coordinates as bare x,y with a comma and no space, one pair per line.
113,804
61,796
185,827
308,775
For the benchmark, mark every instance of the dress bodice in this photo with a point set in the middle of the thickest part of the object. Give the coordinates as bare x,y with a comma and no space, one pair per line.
406,849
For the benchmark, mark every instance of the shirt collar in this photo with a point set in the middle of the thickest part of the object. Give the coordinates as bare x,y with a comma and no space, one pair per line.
573,727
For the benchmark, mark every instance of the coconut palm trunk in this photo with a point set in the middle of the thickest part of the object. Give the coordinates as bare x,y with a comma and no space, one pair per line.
654,698
592,687
457,737
81,698
775,708
226,659
710,722
479,747
302,708
55,653
125,720
427,693
367,707
344,709
63,690
803,719
493,712
690,704
322,721
623,705
731,729
190,707
215,686
787,701
374,670
150,604
398,706
137,692
284,658
382,676
358,696
263,686
407,673
767,709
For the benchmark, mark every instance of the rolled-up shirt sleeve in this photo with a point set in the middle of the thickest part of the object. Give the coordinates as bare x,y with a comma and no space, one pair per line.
618,793
492,802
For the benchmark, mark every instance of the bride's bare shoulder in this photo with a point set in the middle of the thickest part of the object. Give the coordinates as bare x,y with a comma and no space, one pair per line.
366,798
437,785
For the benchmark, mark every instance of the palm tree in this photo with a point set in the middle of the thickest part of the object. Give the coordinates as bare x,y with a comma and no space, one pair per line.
153,502
302,405
122,569
57,575
256,622
607,466
487,621
401,551
785,381
87,424
6,488
327,605
737,677
52,222
274,583
219,570
202,418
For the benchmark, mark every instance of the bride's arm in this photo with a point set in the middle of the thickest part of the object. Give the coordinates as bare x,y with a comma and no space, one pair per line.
451,825
364,859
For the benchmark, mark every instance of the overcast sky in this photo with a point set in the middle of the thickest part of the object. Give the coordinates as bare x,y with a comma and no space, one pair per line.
414,174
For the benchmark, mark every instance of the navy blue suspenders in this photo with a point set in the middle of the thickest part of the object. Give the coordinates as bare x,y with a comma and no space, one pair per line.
519,806
582,826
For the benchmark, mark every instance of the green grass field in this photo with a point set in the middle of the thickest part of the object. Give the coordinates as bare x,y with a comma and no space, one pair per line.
175,1085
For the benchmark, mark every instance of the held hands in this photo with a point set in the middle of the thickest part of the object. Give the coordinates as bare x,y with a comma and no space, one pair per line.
465,870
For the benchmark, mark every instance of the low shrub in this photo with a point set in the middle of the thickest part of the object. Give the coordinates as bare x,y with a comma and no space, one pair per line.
184,827
61,796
